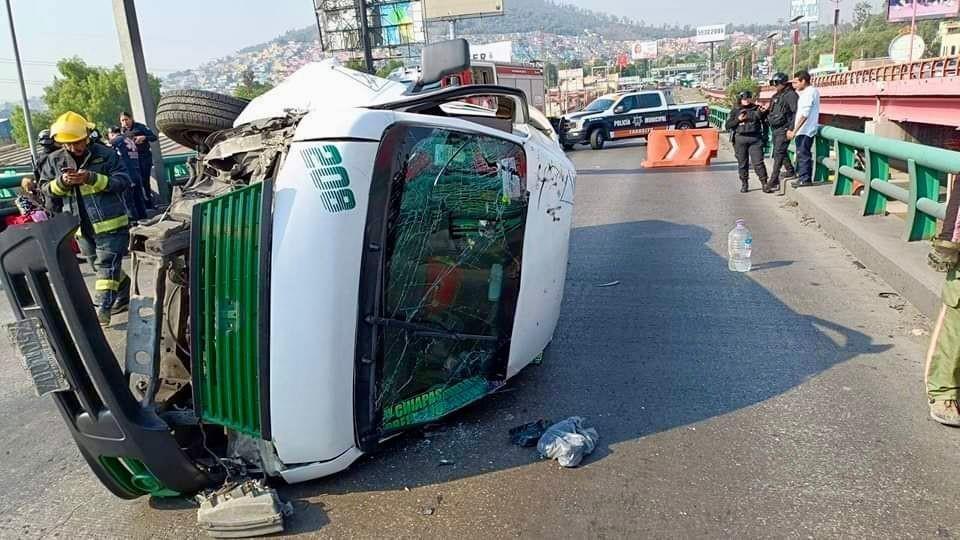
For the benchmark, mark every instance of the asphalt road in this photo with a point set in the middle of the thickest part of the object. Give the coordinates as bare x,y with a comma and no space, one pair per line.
786,402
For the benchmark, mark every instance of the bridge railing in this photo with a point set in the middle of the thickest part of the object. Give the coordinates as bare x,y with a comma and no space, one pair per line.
928,68
718,116
865,159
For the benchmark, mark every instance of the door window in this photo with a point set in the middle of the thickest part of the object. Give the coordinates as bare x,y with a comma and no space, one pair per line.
455,227
649,101
627,104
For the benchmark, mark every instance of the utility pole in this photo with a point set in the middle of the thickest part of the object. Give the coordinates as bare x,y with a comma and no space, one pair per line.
913,31
23,88
365,36
836,29
138,87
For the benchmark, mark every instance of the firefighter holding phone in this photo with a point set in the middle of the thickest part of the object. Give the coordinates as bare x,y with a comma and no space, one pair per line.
90,180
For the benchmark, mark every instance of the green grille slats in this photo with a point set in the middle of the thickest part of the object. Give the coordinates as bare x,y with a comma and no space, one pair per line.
226,296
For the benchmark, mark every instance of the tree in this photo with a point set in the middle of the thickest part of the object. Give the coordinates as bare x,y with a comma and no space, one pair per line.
356,64
40,119
861,13
249,88
740,86
388,68
552,75
97,93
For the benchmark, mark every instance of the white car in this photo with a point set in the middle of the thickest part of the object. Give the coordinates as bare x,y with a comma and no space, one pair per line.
348,260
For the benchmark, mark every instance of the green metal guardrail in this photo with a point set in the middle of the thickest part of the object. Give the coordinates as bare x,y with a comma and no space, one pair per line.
927,166
718,117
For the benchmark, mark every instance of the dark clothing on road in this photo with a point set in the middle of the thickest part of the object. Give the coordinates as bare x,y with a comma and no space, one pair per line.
804,159
133,196
750,148
145,155
781,117
783,109
749,138
781,156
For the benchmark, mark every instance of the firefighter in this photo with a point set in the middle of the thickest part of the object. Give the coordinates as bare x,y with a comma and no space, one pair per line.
748,127
90,180
781,116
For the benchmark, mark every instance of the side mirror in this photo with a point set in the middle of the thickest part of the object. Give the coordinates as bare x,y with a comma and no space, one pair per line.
442,59
619,109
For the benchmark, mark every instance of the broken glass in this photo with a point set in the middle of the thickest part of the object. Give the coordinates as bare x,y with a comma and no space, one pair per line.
454,246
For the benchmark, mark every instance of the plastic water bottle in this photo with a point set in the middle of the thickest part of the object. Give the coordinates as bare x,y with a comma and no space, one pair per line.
739,247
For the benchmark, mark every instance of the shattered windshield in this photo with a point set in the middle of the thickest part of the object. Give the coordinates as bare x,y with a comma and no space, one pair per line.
455,240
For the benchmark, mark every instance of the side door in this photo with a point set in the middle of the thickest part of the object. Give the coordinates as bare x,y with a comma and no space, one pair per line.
652,111
623,120
448,213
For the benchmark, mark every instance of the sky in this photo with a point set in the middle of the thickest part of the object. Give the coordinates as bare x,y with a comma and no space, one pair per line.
182,34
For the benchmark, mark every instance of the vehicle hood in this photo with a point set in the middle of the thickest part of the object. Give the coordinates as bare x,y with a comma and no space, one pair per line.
577,116
321,86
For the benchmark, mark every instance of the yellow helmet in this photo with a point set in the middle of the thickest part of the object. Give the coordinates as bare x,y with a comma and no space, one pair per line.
70,127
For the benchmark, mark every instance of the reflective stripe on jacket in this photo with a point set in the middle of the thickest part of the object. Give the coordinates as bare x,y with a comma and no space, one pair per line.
102,194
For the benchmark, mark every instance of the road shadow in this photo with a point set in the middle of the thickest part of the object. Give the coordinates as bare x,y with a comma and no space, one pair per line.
771,265
680,340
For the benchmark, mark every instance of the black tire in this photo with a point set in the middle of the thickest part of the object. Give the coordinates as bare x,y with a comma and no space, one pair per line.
597,139
684,124
190,116
568,147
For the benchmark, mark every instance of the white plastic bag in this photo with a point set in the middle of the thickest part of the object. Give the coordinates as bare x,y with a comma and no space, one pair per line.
568,442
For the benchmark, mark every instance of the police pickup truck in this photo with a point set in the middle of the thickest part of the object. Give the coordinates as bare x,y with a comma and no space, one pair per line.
630,115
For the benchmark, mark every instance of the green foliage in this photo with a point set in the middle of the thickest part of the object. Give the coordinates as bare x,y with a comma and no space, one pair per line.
99,94
388,68
41,120
356,64
870,37
739,86
551,75
249,88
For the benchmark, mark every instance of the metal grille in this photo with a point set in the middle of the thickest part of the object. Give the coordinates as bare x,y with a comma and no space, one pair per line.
226,299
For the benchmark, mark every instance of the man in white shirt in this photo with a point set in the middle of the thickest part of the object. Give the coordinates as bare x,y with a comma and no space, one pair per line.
805,127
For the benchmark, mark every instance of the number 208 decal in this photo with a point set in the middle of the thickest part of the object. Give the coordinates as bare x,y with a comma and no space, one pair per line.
330,177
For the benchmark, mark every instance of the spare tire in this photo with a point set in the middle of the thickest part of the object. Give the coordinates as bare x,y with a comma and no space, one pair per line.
190,116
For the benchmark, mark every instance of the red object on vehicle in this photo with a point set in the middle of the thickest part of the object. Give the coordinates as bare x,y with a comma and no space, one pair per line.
444,281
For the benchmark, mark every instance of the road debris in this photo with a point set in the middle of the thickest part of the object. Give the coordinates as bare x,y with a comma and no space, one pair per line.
242,510
611,284
568,442
889,295
919,332
431,508
529,434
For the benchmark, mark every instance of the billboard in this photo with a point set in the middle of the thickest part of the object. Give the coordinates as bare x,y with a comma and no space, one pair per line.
902,10
571,80
644,50
500,51
390,24
807,10
711,34
461,9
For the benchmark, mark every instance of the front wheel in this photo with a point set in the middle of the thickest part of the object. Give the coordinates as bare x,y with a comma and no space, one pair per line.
685,124
597,139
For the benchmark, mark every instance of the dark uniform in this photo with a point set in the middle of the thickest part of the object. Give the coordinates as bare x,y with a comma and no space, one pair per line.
145,155
104,225
749,137
781,117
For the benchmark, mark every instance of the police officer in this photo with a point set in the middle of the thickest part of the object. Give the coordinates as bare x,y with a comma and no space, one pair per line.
90,180
780,117
142,136
747,124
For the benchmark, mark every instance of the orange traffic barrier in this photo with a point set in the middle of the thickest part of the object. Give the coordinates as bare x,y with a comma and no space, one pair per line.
681,148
